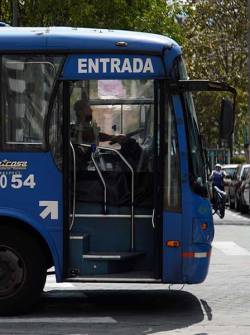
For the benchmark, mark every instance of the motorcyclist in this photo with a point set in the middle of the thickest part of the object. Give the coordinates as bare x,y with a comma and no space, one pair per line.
217,177
218,201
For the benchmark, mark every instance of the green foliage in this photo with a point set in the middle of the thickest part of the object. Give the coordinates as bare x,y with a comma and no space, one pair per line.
215,48
238,160
141,15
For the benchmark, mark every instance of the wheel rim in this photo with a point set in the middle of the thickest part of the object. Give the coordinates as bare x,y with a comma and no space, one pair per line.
12,272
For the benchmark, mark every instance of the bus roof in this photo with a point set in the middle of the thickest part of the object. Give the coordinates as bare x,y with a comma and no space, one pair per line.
68,39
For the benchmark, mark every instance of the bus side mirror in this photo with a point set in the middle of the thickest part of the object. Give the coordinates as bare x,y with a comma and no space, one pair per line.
226,119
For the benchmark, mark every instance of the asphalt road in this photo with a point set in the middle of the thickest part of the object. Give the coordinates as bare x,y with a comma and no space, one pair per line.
220,305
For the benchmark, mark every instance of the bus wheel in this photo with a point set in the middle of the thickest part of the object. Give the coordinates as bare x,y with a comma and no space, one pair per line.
22,271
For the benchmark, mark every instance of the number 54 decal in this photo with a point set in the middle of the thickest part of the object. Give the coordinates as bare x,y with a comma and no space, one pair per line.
17,181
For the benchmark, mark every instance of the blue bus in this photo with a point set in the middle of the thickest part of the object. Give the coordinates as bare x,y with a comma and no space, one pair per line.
102,170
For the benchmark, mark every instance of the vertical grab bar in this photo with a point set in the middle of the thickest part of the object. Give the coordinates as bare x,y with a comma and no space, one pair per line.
74,186
103,182
93,149
132,247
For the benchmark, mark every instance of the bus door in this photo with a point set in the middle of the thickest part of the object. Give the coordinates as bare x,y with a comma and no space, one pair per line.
112,178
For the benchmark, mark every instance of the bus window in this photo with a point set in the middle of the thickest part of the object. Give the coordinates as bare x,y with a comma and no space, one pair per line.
116,107
28,83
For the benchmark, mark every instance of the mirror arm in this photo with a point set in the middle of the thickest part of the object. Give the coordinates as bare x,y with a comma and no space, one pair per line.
200,85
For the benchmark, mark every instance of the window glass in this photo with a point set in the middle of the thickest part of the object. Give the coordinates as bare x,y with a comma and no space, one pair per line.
27,83
197,162
121,89
116,114
172,187
55,130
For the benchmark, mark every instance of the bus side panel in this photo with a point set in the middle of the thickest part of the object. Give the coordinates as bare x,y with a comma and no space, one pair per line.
198,236
173,221
31,191
194,251
172,260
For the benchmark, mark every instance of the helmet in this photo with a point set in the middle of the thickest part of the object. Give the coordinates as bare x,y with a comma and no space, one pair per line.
218,165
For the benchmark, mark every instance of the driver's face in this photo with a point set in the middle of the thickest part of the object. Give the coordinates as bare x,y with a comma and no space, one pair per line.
88,115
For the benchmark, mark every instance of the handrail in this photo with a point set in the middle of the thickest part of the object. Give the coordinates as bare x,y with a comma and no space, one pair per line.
132,188
99,173
103,182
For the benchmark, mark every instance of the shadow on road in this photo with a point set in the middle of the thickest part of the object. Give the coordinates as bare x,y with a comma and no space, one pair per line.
147,311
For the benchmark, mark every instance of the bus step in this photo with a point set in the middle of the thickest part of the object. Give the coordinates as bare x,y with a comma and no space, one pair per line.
99,263
114,256
79,243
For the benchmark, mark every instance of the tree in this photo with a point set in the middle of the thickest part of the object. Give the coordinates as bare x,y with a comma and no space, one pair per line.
216,48
154,16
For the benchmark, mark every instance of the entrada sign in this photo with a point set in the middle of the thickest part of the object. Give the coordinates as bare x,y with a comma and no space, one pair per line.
104,66
115,65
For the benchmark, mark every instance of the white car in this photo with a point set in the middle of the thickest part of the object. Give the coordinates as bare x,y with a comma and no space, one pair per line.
230,171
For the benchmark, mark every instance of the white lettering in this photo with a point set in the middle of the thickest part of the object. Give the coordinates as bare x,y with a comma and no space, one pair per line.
104,62
126,66
93,65
137,65
148,66
82,65
115,65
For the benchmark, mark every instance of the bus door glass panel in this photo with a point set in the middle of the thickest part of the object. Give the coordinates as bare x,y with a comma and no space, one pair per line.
56,129
172,185
27,83
110,119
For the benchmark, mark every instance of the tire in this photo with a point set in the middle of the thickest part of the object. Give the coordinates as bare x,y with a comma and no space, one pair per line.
22,271
222,208
222,212
244,209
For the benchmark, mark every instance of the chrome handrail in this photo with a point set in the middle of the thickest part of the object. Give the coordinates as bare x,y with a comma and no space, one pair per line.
132,188
103,182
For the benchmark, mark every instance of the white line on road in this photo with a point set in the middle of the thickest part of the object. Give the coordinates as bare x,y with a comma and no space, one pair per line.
231,248
105,319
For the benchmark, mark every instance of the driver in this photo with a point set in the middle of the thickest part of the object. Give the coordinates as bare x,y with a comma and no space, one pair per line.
87,131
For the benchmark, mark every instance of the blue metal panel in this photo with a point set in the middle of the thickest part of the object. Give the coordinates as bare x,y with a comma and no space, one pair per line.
35,200
106,66
75,39
170,55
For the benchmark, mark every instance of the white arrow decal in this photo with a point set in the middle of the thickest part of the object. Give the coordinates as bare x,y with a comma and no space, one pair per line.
51,209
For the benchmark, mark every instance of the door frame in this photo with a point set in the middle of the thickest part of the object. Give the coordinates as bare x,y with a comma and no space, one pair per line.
159,105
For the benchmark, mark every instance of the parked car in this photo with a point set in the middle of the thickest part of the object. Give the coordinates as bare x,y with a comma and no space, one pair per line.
245,194
234,194
230,170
